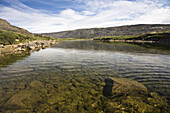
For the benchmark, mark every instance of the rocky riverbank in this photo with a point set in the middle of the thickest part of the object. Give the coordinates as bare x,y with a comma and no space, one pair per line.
28,46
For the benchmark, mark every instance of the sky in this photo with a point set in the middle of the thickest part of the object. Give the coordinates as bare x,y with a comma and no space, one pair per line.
44,16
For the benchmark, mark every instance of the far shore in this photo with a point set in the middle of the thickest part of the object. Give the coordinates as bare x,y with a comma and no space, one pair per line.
136,41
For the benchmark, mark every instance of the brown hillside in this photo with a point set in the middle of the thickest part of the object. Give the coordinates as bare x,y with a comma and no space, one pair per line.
110,31
4,25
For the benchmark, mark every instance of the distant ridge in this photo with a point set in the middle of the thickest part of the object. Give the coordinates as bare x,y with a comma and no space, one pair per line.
110,31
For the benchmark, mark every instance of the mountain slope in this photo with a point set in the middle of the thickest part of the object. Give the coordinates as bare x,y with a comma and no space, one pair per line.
4,25
111,31
10,34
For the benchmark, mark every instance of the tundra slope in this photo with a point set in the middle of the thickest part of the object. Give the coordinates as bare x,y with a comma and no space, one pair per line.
13,39
4,25
110,31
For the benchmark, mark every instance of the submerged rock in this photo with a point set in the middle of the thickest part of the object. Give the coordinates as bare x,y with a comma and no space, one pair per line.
127,95
23,101
36,84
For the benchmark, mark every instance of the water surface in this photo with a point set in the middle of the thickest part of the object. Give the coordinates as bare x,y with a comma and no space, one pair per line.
72,73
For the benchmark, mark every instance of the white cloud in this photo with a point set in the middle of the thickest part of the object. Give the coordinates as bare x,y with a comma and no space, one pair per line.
87,13
96,13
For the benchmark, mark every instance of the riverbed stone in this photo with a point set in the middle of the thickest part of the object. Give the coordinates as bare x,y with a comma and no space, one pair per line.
36,84
127,95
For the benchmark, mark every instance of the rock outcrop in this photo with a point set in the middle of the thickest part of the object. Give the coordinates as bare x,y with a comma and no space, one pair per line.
28,46
32,45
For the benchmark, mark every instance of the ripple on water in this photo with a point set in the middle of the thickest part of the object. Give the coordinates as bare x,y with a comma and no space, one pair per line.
70,65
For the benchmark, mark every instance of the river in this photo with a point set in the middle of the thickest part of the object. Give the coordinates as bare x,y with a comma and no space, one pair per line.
70,76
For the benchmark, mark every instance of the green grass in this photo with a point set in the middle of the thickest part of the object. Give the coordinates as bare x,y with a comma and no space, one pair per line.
63,39
115,37
147,36
9,37
43,37
155,35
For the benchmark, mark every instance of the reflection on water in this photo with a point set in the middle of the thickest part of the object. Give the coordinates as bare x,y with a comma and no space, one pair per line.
6,60
153,48
77,76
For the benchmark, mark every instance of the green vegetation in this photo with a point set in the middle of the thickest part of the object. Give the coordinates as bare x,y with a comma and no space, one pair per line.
115,37
157,35
153,36
9,37
43,37
63,39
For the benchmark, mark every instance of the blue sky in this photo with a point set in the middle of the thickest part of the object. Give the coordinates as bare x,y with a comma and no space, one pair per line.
41,16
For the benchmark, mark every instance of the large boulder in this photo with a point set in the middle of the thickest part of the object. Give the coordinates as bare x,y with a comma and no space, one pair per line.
126,95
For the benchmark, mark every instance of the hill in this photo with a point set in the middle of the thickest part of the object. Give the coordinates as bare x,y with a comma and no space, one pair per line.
4,25
10,34
111,31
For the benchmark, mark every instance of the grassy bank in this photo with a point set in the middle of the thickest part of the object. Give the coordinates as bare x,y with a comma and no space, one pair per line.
154,36
9,37
63,39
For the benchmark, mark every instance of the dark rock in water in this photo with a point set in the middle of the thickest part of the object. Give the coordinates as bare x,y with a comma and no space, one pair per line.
122,86
107,90
131,96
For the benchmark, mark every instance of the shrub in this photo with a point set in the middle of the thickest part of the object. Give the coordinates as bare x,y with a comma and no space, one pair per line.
8,37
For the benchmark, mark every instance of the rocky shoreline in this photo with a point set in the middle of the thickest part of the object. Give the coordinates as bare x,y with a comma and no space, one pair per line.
28,46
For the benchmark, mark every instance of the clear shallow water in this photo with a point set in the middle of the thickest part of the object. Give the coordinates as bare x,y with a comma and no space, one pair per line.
89,59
